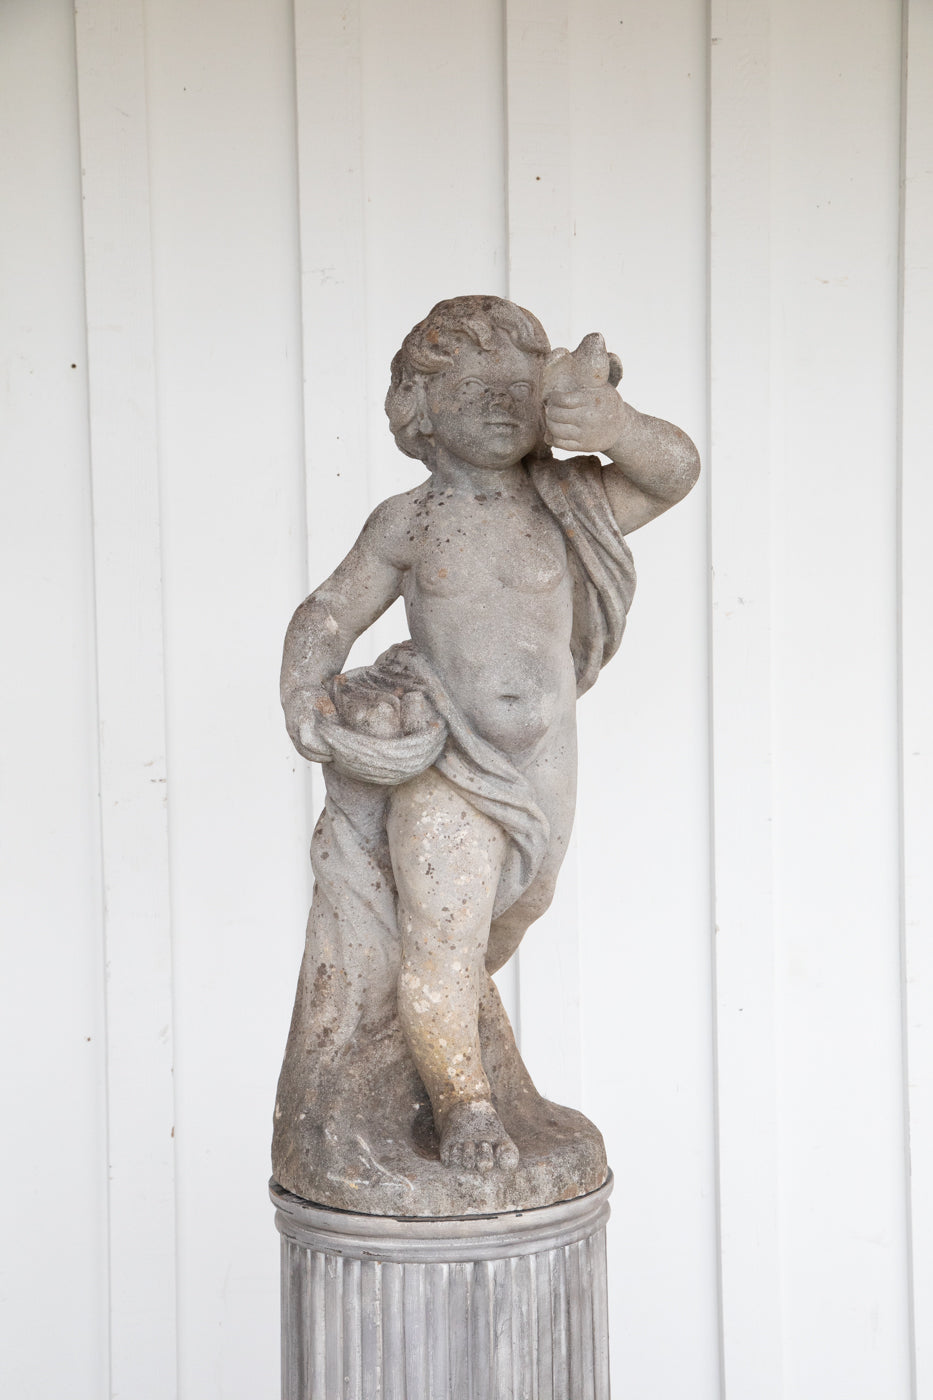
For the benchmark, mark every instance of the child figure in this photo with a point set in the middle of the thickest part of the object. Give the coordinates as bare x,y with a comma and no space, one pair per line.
453,760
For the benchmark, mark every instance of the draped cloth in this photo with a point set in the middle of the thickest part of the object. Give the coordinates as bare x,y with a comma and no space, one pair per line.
604,571
347,989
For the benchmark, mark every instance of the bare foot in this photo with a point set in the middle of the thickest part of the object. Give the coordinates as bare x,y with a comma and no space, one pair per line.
473,1138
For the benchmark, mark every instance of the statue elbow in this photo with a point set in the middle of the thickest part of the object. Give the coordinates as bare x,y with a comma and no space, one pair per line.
686,467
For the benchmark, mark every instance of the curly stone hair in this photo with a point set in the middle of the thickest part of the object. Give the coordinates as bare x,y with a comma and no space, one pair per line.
429,349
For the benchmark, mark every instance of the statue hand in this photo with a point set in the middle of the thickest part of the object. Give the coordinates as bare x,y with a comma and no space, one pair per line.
583,412
305,712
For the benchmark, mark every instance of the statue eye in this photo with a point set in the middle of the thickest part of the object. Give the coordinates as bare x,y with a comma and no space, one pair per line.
521,390
472,386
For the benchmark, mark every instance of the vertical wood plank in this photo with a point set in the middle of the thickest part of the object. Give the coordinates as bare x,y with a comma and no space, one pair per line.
53,1201
113,127
222,171
835,155
538,142
916,592
740,426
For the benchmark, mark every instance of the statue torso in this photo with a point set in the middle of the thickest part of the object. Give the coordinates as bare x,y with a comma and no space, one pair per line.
489,600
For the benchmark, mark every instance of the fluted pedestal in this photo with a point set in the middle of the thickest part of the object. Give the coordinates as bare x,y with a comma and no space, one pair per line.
492,1307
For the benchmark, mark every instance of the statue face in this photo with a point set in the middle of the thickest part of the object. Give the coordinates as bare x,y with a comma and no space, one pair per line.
486,408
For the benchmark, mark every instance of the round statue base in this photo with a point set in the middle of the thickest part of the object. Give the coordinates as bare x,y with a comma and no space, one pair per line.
485,1307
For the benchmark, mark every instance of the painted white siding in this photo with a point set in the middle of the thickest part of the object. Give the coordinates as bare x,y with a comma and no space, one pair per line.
53,1085
220,220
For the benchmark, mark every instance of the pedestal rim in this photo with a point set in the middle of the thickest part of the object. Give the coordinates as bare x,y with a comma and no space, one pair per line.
400,1238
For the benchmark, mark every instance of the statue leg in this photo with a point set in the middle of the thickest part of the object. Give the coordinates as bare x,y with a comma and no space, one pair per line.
447,858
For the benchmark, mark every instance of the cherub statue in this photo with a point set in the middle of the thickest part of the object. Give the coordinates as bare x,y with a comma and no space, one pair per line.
451,764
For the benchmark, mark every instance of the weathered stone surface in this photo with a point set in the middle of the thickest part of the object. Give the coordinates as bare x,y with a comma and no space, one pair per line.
450,765
375,1148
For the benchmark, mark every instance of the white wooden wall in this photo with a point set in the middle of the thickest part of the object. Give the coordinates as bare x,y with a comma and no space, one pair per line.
220,218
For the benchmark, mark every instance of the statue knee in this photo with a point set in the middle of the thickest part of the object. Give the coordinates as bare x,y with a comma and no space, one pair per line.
435,928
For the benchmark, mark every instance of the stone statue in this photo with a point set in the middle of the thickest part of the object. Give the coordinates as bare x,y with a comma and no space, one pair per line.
450,765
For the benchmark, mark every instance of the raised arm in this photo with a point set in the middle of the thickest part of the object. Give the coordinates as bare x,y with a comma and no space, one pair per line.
657,463
328,622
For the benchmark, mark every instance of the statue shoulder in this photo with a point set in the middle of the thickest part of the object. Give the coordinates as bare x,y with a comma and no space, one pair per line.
388,530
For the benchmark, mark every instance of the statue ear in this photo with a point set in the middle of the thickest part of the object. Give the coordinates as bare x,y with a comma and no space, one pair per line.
406,403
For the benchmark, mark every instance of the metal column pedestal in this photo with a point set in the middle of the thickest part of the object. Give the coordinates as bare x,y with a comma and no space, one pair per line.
488,1307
